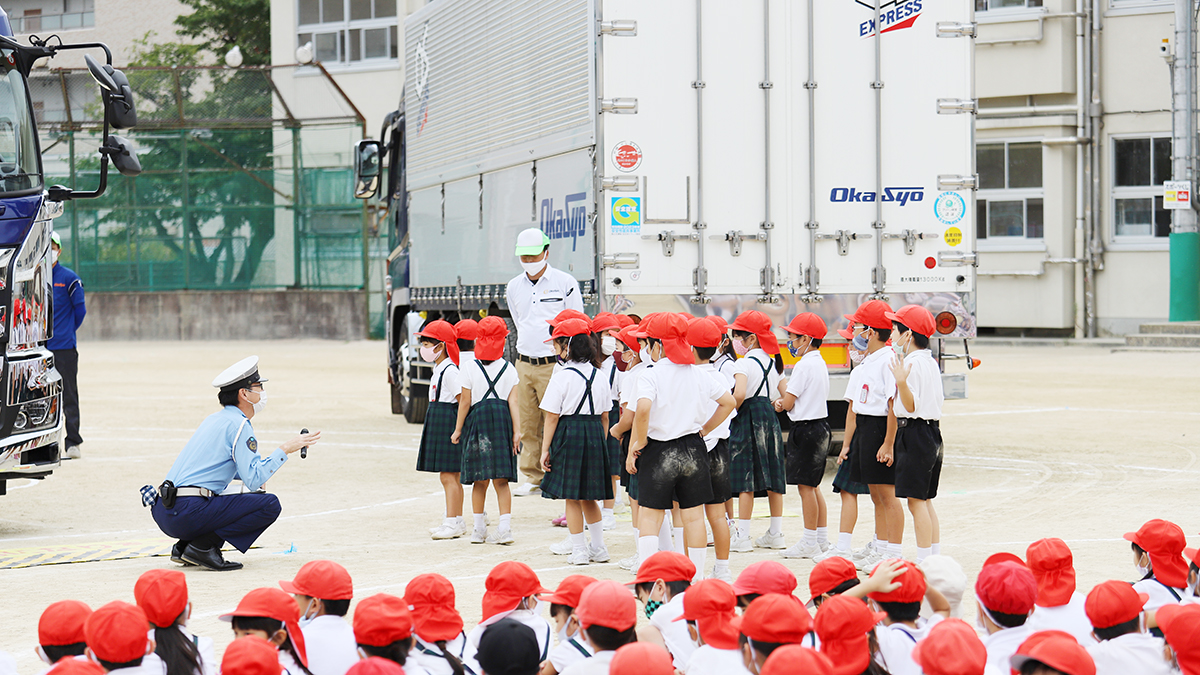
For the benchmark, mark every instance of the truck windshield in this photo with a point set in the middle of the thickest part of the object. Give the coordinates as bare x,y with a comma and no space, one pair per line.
19,166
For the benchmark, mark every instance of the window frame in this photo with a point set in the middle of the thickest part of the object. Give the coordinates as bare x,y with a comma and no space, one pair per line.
344,27
1119,7
988,195
1115,192
1027,8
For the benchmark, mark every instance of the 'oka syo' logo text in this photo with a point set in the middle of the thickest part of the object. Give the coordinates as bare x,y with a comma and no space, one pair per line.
900,195
893,15
570,221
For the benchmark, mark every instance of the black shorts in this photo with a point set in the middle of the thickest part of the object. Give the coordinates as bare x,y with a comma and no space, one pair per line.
869,432
806,452
718,472
674,471
918,458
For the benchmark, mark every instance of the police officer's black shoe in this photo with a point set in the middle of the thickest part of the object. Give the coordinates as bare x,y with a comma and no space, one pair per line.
177,554
209,558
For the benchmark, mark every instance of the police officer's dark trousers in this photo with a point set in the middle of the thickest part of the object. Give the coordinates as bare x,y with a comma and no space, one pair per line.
211,521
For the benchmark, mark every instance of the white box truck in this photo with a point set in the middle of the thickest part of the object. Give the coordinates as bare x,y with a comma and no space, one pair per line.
683,155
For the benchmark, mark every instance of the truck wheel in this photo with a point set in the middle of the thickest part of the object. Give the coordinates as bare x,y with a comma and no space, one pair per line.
414,412
398,402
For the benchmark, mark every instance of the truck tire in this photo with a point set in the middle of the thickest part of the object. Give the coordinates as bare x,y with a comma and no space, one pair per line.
398,402
414,412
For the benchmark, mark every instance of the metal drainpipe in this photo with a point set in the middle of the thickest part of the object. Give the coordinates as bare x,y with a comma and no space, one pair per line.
700,282
1094,245
1080,179
768,273
811,281
877,85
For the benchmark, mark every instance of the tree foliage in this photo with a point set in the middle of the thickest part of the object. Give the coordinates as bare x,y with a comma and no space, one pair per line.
218,25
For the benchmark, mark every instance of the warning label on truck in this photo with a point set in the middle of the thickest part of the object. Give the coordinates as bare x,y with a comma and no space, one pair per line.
626,156
626,215
953,236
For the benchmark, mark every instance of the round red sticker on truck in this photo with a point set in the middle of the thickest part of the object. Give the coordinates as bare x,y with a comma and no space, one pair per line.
627,156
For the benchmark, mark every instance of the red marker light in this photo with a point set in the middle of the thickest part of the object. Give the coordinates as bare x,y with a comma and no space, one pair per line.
930,263
946,323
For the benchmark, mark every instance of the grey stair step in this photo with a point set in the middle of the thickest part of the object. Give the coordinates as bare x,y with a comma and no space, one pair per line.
1158,350
1173,328
1162,340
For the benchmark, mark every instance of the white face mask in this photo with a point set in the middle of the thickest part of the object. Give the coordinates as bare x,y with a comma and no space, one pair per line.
563,634
305,619
53,257
262,402
608,344
1142,570
644,355
534,268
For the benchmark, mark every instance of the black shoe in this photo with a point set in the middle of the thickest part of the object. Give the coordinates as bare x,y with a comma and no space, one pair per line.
209,559
177,555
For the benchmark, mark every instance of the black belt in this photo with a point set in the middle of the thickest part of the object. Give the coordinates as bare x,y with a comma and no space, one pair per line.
902,422
543,361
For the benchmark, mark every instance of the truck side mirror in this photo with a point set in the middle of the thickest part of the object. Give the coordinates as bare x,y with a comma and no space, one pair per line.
366,169
123,156
115,92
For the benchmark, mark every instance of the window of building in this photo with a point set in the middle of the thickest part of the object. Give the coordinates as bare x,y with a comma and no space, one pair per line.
348,31
1010,199
984,5
1140,165
1123,4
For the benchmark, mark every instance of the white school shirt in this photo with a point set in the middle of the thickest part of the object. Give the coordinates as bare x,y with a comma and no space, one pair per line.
149,666
329,645
810,385
569,652
1159,593
754,374
675,633
872,384
1002,644
722,431
534,303
567,389
290,667
597,665
472,378
612,377
896,644
1069,618
629,384
448,375
680,398
466,357
708,660
208,656
925,383
426,655
541,628
1139,653
8,665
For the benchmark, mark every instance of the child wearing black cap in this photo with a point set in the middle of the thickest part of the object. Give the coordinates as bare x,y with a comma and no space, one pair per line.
508,647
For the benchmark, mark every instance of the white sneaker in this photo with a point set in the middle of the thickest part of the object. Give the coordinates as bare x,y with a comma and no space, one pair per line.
825,546
620,506
741,544
563,547
832,553
609,523
863,552
769,540
479,536
598,555
710,538
72,452
579,556
630,563
527,490
803,550
725,576
449,532
868,563
501,537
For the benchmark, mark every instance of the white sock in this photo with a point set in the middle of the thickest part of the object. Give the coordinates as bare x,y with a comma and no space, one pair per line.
578,541
923,553
697,556
636,537
664,535
647,546
937,548
845,539
776,525
810,537
822,535
505,522
877,542
721,566
606,513
677,534
458,520
743,528
596,529
895,550
479,523
448,522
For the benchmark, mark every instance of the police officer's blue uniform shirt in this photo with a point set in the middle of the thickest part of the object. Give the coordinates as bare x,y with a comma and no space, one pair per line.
206,460
69,308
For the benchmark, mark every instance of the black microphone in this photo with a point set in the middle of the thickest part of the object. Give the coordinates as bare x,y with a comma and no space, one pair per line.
304,450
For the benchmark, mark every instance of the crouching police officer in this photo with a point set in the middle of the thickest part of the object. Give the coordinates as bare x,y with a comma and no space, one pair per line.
191,506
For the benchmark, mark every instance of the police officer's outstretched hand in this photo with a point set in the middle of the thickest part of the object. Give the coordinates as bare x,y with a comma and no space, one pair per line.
301,441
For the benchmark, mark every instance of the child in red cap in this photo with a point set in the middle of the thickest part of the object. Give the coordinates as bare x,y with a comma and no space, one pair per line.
804,401
1181,629
466,330
607,616
437,454
60,632
1059,606
163,596
117,639
641,658
250,656
661,585
511,592
322,590
440,640
796,659
1005,592
1057,655
270,614
705,338
1119,623
951,648
383,628
632,345
903,626
575,455
761,578
708,608
489,428
605,328
844,625
571,646
1158,555
756,451
770,622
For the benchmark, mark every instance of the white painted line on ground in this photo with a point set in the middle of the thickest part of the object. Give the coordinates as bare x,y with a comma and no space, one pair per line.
1022,411
353,508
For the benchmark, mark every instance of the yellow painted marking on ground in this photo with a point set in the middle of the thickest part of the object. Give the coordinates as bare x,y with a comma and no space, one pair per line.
78,553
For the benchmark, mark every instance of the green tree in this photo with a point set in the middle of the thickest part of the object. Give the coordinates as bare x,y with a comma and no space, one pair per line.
218,25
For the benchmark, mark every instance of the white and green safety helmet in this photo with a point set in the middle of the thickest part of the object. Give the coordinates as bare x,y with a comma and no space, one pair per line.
56,239
532,242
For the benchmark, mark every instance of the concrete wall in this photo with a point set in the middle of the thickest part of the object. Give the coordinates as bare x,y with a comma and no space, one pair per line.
233,315
118,24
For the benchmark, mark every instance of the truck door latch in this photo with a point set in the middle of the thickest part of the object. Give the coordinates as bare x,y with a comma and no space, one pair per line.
668,239
735,239
843,239
910,238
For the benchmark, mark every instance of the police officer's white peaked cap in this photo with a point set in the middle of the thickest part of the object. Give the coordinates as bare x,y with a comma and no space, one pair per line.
238,372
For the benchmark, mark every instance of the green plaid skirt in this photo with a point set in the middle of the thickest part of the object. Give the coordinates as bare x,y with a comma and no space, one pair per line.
580,467
487,443
438,454
756,450
614,445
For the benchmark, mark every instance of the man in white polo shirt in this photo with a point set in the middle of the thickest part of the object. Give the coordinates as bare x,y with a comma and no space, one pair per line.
535,296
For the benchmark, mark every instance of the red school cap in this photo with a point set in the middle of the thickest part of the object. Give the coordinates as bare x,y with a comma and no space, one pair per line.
874,314
430,599
117,632
506,585
952,647
71,666
774,618
791,659
1164,541
568,328
375,665
382,619
467,329
489,342
569,590
608,604
1113,602
62,623
710,603
701,333
719,322
443,332
766,576
1006,587
1004,556
842,623
665,565
250,655
916,317
322,579
807,323
162,595
641,658
912,585
604,322
829,574
628,337
1180,625
645,323
671,330
571,314
273,603
1063,654
759,324
1038,638
624,320
1052,565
